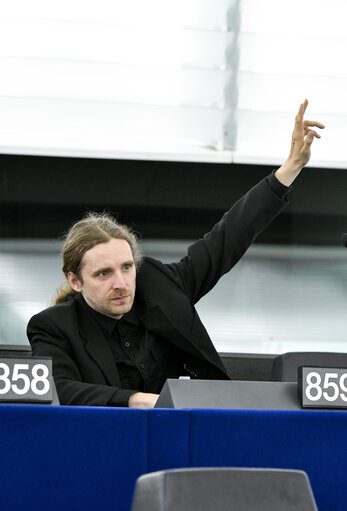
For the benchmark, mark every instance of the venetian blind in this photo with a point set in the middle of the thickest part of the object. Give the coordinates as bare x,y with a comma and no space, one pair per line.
135,79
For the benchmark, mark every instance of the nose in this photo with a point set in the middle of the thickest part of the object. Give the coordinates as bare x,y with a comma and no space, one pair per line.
118,281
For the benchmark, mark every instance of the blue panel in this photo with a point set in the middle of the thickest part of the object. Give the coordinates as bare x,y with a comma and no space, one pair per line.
70,458
313,441
168,439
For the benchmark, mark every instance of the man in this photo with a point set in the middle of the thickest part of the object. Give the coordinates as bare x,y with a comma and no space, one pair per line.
124,324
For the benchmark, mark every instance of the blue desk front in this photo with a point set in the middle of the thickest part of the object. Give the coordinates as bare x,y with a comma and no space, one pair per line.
74,458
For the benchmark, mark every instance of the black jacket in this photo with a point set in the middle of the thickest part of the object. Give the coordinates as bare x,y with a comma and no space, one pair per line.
83,366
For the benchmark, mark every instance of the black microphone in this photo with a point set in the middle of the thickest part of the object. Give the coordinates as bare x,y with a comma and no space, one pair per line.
344,239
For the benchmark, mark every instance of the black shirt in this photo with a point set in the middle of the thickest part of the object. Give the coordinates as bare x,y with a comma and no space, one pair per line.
143,360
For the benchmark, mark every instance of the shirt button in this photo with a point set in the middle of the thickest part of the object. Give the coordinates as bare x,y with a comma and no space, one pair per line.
142,366
127,344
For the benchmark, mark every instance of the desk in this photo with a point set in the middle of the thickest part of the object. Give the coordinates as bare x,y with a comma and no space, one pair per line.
84,458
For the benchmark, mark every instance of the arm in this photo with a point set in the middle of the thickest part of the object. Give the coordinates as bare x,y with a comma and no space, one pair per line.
219,250
47,339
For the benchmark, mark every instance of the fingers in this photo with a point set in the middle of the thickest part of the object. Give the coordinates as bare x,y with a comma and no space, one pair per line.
314,123
302,128
310,136
305,151
302,108
300,115
299,119
306,148
314,132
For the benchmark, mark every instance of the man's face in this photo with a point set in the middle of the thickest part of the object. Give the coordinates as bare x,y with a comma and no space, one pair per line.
108,278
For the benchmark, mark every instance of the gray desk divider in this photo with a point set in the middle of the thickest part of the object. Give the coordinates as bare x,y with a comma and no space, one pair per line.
257,395
55,400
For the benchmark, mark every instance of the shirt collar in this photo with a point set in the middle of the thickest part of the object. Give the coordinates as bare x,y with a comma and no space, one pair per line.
106,323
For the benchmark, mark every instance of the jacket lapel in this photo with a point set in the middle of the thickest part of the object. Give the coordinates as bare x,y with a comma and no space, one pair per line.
96,345
156,320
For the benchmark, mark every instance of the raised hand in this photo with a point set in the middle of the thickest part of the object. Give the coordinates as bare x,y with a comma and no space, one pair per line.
300,149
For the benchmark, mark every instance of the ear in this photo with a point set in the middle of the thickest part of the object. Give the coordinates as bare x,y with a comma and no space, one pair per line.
74,282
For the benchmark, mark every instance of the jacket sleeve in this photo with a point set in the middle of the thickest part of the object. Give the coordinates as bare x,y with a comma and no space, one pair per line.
220,249
47,339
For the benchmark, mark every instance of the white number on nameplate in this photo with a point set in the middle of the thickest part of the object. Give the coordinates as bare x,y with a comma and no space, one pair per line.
25,379
323,387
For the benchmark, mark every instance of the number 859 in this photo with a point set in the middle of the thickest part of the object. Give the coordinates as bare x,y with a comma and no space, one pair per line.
315,391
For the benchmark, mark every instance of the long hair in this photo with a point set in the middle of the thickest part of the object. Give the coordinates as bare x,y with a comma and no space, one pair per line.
92,229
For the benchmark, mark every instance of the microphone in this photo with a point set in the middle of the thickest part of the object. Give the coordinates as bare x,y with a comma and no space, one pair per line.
344,239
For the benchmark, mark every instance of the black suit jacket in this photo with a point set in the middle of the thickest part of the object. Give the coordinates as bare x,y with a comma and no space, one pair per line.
83,366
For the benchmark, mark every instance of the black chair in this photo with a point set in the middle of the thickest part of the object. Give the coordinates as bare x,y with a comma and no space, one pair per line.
285,367
224,489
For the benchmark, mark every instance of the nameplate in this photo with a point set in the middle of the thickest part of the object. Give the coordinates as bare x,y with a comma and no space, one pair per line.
26,380
250,395
322,387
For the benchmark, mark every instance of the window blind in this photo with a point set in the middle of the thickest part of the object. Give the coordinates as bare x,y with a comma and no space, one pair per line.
193,80
290,51
135,79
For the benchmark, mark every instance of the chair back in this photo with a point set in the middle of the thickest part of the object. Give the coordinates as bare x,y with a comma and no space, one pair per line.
285,367
224,489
